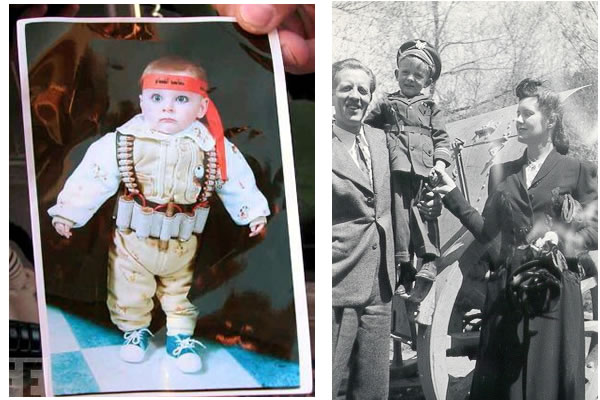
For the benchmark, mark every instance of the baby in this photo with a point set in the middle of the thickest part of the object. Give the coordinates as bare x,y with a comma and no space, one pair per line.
169,159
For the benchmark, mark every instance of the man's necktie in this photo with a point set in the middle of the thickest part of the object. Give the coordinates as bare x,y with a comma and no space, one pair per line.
364,160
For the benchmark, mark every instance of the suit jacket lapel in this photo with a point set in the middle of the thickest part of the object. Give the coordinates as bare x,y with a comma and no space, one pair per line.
379,155
547,166
343,164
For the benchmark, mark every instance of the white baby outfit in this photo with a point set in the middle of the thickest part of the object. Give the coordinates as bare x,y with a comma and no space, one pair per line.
165,167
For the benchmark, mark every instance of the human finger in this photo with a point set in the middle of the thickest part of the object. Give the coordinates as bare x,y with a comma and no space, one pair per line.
257,18
68,10
428,192
433,206
426,213
59,228
298,53
67,231
35,11
431,202
444,177
63,230
431,213
296,29
434,180
424,208
302,21
256,229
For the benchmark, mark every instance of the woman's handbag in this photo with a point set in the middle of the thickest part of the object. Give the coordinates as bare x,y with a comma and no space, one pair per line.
534,286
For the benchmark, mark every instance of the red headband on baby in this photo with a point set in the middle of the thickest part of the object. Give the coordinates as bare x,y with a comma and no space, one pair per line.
195,85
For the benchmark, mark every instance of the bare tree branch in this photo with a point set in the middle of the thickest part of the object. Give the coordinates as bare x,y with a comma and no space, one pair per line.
450,7
475,105
351,7
458,71
468,42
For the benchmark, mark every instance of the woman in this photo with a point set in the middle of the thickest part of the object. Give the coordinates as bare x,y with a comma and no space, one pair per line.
546,361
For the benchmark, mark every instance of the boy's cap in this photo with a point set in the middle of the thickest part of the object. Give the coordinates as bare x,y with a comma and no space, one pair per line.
424,51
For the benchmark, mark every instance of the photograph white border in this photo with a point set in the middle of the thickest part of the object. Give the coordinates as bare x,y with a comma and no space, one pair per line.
301,310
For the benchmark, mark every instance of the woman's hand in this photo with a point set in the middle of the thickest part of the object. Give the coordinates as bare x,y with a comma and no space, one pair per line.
549,239
445,183
431,206
433,177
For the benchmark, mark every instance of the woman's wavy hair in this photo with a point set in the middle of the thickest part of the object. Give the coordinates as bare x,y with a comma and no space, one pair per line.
550,106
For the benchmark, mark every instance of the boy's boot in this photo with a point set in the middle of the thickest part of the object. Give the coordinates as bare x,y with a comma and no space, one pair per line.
135,345
423,281
406,276
182,348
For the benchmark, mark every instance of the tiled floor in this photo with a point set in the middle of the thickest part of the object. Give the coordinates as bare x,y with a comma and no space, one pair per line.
85,359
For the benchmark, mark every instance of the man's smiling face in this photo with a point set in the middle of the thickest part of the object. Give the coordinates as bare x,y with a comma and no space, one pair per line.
351,97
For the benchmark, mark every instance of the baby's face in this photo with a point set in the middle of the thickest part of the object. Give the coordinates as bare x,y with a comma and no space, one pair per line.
412,75
171,111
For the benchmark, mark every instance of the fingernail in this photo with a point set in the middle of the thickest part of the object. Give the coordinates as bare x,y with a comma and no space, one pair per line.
257,15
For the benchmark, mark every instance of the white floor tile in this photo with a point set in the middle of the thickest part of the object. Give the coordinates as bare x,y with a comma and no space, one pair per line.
158,372
61,336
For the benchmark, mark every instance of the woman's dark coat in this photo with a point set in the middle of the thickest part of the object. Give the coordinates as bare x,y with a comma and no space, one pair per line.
551,365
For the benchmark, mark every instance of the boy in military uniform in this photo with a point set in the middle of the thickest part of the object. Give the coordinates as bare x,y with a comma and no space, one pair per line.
171,158
418,144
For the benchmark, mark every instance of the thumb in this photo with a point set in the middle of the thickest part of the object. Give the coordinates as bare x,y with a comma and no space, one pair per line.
444,177
257,18
438,190
428,191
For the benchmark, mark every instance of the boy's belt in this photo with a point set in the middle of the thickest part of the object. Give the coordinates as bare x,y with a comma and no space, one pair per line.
186,208
156,222
415,129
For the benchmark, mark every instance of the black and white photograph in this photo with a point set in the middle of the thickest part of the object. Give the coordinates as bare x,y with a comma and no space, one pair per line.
163,202
465,200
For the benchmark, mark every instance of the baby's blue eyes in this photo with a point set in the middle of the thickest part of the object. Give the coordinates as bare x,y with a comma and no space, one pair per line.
179,99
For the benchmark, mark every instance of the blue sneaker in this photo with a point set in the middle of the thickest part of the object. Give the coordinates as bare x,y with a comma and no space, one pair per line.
135,345
183,349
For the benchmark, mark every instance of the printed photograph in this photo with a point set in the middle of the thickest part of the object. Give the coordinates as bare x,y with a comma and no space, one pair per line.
166,241
465,200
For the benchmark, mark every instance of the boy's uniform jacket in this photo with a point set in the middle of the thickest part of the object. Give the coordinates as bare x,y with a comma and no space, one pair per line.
415,129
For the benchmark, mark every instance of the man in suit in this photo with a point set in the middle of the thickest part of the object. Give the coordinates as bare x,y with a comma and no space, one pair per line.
362,245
